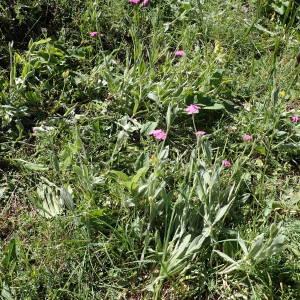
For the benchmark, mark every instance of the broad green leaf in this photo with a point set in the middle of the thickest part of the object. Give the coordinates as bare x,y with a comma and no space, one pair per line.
121,140
153,96
278,242
164,153
26,70
179,251
216,106
135,179
261,150
67,198
148,127
51,203
6,293
41,42
256,246
221,213
242,244
279,9
196,243
120,175
274,229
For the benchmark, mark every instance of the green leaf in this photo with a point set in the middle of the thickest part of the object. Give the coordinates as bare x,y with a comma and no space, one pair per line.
207,150
274,229
178,252
261,150
51,203
242,244
279,9
10,254
256,246
164,153
168,117
148,127
121,140
153,96
197,242
221,213
120,175
135,179
67,198
226,257
6,293
2,191
31,166
40,42
216,106
230,268
278,242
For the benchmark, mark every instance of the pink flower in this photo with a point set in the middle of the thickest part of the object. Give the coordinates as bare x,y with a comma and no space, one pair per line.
200,133
226,163
192,109
134,2
295,119
94,33
179,53
247,137
146,3
159,134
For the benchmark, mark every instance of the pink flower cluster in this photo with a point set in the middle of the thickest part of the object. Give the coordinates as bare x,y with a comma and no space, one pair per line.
159,134
200,133
226,163
94,34
295,119
179,53
192,109
247,138
136,2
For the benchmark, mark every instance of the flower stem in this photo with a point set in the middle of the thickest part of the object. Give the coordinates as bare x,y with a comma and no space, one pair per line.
193,118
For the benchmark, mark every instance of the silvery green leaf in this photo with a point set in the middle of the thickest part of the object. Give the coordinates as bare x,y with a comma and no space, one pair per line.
278,242
51,204
129,202
164,153
256,246
6,293
231,268
169,116
2,191
221,213
216,106
32,166
152,96
67,198
242,244
226,257
98,180
196,244
148,127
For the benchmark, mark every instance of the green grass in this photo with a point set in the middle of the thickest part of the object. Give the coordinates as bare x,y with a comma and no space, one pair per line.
92,207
